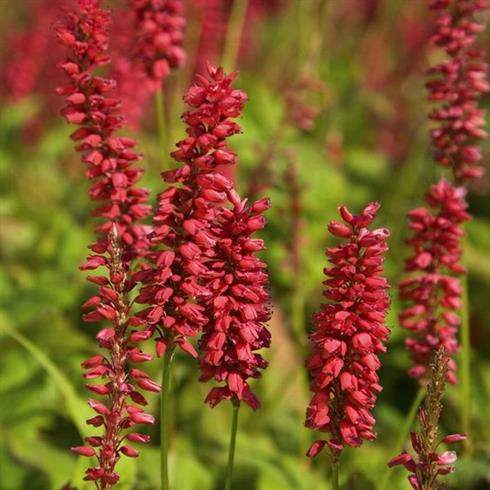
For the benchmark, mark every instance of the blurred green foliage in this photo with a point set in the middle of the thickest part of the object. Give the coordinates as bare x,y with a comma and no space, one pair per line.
46,225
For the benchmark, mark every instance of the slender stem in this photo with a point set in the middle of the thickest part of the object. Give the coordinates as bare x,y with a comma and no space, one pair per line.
165,416
231,449
404,432
335,475
234,34
466,366
160,110
298,311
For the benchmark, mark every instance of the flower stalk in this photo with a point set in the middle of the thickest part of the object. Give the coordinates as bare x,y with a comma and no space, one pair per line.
234,33
165,416
162,136
232,446
335,474
466,367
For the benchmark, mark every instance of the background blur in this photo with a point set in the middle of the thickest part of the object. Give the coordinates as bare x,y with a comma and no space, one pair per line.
336,114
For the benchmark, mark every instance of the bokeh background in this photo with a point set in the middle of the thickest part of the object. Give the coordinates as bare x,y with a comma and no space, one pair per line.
336,114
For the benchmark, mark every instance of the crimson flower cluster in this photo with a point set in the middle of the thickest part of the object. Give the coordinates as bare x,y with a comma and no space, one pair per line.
109,158
25,75
159,37
349,332
458,82
120,239
25,65
184,233
434,290
239,306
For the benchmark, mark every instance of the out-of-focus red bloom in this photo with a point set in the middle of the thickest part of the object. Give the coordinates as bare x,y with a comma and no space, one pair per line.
238,307
187,213
26,71
434,291
348,334
121,239
393,58
159,36
301,112
131,79
146,46
28,64
457,83
363,12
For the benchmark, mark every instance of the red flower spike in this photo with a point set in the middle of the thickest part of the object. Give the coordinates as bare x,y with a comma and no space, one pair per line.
148,38
32,73
457,83
89,103
109,158
428,463
349,333
433,289
159,37
187,213
238,306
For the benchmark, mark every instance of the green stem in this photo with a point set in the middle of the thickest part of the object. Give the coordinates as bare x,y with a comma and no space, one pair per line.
160,110
231,449
404,432
165,416
335,475
234,34
298,313
466,366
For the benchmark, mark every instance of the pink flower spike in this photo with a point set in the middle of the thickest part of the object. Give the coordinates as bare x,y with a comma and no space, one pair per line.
188,210
432,288
349,335
121,205
231,341
457,83
428,464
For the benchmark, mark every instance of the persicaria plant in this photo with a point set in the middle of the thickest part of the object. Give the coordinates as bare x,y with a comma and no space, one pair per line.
201,287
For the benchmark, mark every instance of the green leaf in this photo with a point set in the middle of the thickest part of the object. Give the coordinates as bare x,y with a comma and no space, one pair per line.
75,406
